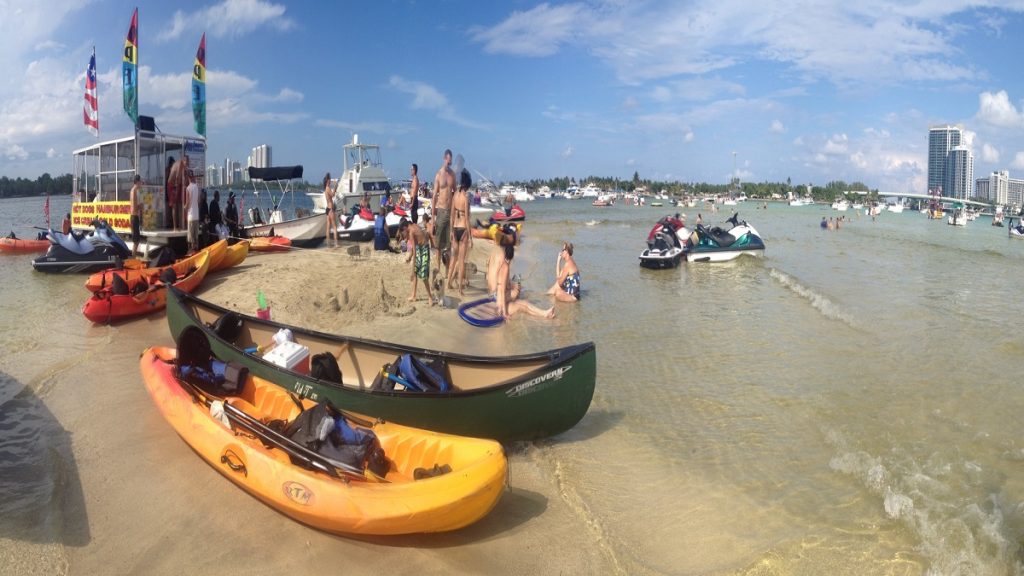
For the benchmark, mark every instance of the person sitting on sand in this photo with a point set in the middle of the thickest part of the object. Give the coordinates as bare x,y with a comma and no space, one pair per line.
419,255
567,277
508,307
381,235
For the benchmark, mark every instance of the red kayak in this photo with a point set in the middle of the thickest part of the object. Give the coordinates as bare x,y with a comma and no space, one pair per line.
270,244
19,246
105,307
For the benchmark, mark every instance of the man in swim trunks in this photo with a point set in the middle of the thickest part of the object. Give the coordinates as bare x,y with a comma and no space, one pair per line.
419,255
440,207
567,276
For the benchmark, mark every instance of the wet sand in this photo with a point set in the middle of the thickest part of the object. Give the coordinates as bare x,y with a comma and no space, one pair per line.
147,504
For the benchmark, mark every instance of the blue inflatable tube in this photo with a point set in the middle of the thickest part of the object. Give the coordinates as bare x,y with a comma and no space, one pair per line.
482,322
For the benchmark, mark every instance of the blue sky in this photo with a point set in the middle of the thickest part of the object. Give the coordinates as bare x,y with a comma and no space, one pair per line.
812,91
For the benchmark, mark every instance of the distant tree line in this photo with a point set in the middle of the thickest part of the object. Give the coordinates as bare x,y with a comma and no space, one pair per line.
829,192
45,184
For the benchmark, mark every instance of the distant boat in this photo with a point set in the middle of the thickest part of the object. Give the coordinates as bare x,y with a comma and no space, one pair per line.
590,191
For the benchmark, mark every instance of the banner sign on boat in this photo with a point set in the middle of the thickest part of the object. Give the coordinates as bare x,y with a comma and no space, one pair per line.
117,215
539,383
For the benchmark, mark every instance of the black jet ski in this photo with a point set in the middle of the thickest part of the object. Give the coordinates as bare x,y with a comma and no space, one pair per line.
665,244
85,253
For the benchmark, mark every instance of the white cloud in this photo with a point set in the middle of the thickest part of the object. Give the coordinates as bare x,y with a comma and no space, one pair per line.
539,31
837,144
687,135
997,110
662,39
364,126
706,88
229,19
568,151
15,152
777,127
989,153
1018,161
630,103
426,97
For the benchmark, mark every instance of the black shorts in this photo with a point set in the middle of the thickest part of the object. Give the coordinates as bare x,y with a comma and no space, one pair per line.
136,234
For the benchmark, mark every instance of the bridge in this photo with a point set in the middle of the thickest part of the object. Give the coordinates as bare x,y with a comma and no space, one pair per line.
923,197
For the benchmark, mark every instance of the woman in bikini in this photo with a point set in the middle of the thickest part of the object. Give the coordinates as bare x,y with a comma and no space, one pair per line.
332,216
567,276
507,292
462,240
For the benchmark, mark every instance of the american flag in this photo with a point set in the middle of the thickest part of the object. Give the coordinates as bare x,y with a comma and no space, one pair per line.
91,111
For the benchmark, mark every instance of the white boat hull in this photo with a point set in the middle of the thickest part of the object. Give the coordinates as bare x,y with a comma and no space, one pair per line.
305,232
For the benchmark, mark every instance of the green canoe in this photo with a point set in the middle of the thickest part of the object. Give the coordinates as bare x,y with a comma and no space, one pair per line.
507,398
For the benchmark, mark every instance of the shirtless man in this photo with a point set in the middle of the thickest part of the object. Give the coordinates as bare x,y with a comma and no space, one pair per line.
440,208
414,190
136,212
462,240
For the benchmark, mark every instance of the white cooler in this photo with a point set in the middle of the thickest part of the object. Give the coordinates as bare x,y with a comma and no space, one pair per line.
289,355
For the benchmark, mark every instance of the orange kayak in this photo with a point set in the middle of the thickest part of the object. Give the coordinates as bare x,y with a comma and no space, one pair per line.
100,280
433,482
270,244
104,307
235,255
20,246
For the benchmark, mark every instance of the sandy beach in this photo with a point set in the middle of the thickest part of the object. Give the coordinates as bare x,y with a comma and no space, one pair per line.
147,504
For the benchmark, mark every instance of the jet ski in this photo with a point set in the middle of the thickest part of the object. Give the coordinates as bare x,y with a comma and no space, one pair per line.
1018,230
718,245
513,214
666,244
100,249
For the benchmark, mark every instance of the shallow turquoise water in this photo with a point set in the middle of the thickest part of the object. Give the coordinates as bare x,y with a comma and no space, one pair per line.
848,404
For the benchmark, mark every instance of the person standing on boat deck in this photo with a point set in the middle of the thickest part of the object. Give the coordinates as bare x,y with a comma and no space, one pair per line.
567,276
185,177
440,208
216,219
136,212
332,216
462,240
204,218
65,226
192,210
170,194
231,215
414,189
419,255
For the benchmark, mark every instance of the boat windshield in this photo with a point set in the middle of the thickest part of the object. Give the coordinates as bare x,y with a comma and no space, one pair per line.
377,186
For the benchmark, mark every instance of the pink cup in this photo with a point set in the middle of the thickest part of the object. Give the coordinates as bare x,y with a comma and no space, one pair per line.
263,313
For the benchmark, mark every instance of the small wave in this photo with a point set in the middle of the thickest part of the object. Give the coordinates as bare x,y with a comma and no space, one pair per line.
593,222
828,308
949,504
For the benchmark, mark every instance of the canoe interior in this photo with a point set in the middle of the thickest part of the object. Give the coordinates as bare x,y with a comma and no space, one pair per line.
361,362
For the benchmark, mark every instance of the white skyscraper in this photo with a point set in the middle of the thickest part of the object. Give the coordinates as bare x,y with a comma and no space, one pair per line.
959,173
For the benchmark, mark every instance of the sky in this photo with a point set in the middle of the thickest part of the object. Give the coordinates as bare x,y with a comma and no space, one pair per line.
694,91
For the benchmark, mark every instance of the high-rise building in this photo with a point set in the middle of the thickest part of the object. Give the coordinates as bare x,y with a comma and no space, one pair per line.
260,157
227,172
941,139
1000,189
959,173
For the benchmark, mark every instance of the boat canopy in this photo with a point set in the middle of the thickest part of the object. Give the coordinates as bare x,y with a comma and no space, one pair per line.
275,173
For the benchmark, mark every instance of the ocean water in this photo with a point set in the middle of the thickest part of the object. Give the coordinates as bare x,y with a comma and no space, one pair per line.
849,404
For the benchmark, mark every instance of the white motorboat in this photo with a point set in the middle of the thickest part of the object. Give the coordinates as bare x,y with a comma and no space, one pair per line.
896,208
840,205
590,191
305,231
